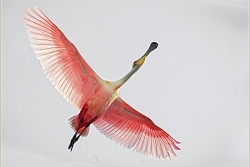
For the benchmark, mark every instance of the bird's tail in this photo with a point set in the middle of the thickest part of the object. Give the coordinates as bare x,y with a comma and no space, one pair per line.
74,123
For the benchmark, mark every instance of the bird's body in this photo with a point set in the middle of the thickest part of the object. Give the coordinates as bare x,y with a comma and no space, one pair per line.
98,100
97,103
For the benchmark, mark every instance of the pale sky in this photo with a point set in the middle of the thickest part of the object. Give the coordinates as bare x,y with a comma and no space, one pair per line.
194,85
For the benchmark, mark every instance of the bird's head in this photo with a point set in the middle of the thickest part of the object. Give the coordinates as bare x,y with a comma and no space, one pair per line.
141,60
135,67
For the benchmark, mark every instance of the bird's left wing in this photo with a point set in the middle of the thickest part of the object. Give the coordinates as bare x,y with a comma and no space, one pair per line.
133,130
62,63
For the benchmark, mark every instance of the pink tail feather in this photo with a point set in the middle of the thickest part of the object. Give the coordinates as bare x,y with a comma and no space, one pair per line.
74,122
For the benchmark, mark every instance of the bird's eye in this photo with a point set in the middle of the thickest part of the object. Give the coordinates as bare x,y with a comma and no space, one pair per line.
134,64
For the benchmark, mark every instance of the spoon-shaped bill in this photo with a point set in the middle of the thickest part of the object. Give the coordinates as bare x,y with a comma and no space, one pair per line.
152,46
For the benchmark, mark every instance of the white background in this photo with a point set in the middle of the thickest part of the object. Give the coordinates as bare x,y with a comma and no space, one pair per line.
194,85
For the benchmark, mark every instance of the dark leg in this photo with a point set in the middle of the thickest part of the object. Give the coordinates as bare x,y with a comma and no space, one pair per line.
74,138
72,142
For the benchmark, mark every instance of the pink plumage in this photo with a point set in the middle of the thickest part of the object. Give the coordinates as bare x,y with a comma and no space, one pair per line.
98,99
133,130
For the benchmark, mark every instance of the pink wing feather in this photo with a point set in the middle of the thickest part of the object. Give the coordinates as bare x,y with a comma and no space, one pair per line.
133,130
60,60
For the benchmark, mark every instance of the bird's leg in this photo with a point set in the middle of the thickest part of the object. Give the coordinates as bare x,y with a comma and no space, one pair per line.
86,127
74,139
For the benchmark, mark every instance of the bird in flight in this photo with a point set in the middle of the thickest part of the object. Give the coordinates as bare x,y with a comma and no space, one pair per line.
98,100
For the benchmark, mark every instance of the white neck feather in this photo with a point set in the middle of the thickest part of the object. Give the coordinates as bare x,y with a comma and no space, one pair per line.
117,84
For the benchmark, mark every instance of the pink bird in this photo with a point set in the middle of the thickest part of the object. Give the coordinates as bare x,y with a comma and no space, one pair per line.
98,99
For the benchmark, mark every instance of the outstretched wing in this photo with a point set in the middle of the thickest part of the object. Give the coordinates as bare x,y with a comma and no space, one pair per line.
133,130
60,60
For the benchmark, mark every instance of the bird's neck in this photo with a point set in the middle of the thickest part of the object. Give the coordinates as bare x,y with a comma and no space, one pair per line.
117,84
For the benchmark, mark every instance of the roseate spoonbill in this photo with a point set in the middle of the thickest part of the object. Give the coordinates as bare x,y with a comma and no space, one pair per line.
98,99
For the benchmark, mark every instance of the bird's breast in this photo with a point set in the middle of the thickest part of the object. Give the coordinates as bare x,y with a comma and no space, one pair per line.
100,101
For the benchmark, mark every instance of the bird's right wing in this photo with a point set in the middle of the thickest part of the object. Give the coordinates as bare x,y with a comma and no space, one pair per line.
133,130
62,63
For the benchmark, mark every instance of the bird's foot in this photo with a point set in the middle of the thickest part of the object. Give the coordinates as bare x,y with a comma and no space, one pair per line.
73,141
